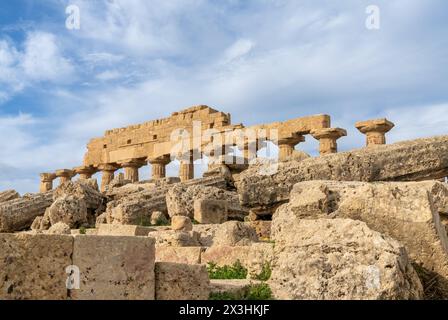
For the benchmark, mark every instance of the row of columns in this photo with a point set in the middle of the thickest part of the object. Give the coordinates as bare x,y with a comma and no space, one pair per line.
375,131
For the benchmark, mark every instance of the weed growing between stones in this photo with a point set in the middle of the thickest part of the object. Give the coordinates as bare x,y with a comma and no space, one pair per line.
235,271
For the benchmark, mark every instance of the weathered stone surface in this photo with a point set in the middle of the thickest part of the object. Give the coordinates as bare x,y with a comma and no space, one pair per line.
176,281
114,268
206,233
234,233
181,223
262,228
253,257
8,195
83,190
69,210
180,200
19,214
406,211
210,211
122,230
137,207
237,287
33,266
189,255
328,259
59,228
175,238
406,161
158,218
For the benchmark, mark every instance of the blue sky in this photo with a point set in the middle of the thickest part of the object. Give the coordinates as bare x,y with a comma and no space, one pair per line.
261,60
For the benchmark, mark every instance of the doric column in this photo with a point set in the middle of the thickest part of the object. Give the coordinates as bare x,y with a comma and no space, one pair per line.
108,171
85,172
286,147
375,131
64,175
186,170
328,139
46,182
131,169
158,167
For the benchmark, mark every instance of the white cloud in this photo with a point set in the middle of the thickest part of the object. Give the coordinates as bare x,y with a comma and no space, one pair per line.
42,59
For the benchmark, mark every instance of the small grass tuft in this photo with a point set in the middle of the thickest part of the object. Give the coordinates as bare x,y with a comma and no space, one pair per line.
235,271
265,273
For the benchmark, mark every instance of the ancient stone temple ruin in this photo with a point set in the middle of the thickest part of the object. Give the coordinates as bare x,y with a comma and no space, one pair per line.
368,223
151,143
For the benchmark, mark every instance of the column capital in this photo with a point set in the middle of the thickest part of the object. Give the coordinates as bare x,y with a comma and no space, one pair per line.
376,125
66,173
47,177
133,163
292,141
108,167
165,159
329,133
85,170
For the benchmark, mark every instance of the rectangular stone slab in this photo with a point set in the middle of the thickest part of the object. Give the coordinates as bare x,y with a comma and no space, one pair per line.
114,268
32,267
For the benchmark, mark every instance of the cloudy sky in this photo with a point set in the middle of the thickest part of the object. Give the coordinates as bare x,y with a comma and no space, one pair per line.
261,60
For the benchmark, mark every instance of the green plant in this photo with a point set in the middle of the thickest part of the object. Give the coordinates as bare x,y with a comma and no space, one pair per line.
235,271
144,221
265,273
82,230
260,291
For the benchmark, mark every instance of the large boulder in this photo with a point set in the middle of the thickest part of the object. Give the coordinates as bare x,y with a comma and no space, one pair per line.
180,200
69,210
406,211
335,259
235,233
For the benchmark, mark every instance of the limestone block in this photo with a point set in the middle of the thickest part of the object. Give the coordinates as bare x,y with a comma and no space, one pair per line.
176,281
114,268
175,238
59,228
181,223
262,228
32,267
122,230
210,211
341,259
181,197
406,211
69,210
19,214
8,195
206,233
235,233
189,255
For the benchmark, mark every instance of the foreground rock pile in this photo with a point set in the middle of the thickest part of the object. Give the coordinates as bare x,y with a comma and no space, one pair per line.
365,224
